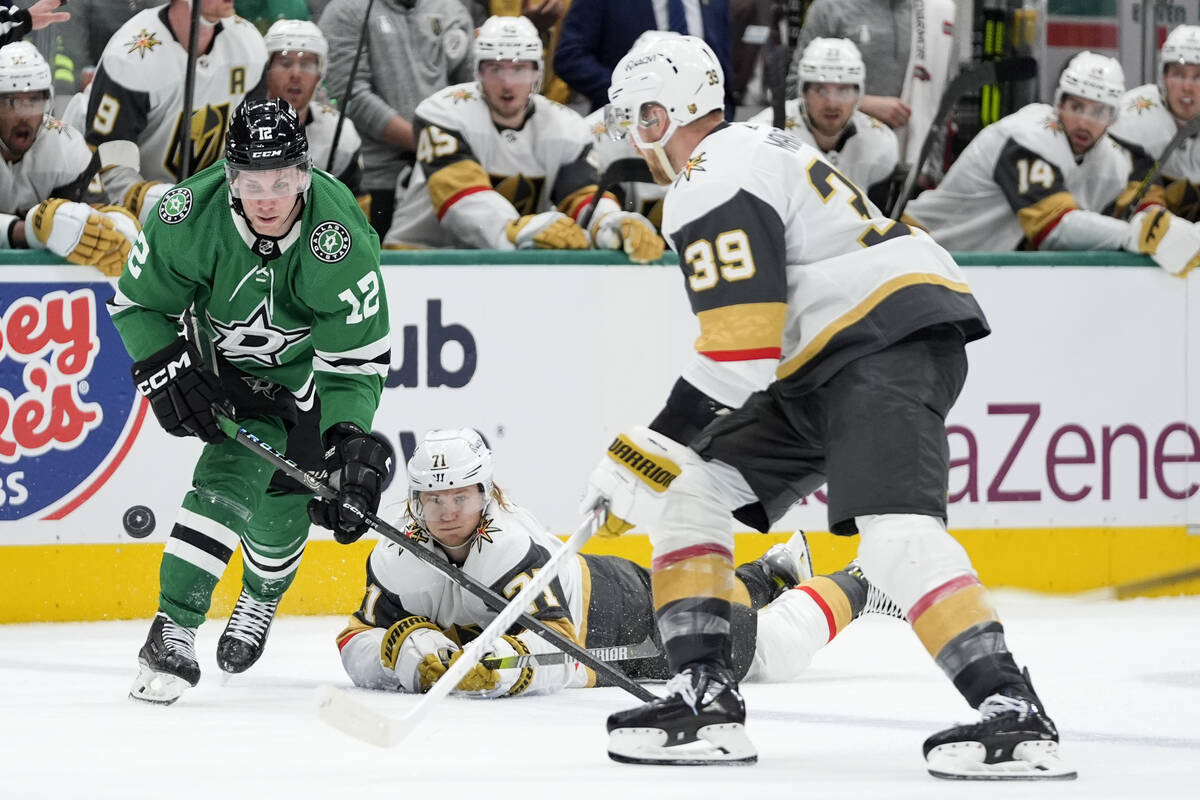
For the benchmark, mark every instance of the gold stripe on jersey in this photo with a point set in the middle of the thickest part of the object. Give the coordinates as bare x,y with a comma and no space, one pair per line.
834,600
451,182
742,331
912,223
860,311
585,594
692,577
1155,194
135,196
952,615
352,629
574,203
1039,218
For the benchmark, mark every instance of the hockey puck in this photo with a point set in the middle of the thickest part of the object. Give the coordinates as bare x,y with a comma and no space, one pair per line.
138,521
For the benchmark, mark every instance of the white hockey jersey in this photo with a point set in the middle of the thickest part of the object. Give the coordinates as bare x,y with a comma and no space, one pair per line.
1146,121
1016,181
866,152
791,270
510,547
474,177
59,164
322,120
137,94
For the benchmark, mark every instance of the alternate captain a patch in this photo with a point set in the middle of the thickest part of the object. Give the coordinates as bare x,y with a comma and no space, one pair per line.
330,241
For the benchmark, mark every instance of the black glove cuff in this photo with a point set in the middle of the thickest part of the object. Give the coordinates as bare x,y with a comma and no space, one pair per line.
176,357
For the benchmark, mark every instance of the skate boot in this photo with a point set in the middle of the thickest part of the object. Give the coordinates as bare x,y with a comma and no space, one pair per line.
784,566
877,601
1014,741
701,720
167,663
245,635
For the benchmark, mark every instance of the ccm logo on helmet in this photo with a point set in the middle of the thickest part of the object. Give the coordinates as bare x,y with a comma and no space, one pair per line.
266,153
163,376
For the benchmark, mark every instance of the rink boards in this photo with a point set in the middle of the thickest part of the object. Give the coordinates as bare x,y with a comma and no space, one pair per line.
1075,445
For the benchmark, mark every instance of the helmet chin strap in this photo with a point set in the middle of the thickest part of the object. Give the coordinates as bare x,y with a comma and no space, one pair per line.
660,155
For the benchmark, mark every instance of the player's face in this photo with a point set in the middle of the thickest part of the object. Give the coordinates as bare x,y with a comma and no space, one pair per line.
269,198
452,515
1183,90
293,76
830,106
20,118
1084,121
507,86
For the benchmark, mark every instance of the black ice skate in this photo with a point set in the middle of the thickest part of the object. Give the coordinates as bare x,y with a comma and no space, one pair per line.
245,635
1014,741
784,566
877,601
167,662
700,721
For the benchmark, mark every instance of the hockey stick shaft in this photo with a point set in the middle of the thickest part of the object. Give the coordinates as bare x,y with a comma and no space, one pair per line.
621,652
1185,132
394,730
484,593
971,79
346,95
189,95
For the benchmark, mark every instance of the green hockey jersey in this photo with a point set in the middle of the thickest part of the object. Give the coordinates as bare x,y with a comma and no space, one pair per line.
307,311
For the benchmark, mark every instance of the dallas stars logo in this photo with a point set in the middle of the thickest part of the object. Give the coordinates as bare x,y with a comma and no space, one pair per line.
142,42
175,205
261,386
255,338
330,241
693,165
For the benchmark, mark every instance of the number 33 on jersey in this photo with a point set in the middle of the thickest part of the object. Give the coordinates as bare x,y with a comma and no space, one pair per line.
770,234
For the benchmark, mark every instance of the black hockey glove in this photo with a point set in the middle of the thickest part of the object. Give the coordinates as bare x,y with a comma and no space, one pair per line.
182,391
359,464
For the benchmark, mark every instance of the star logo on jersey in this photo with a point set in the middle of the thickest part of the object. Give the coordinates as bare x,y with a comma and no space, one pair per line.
462,95
255,338
261,386
56,125
1051,123
1142,103
175,205
142,42
693,165
413,531
330,241
484,532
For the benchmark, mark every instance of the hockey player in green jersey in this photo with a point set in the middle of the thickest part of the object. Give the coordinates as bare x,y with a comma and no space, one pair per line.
280,270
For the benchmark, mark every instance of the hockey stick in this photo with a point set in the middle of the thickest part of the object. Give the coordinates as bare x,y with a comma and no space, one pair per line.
620,652
483,592
972,78
345,104
370,725
794,21
189,95
1185,132
622,170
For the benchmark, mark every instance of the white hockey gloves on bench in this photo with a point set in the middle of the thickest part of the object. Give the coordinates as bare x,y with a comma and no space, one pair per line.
1172,242
639,466
633,233
82,234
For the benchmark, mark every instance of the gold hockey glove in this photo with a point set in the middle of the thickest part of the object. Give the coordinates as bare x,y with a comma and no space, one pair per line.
550,230
633,233
78,233
632,477
1172,242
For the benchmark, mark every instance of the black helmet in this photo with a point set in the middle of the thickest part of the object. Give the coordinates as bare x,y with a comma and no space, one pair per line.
266,134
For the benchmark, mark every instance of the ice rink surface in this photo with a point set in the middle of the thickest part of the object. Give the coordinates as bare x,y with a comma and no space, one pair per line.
1122,680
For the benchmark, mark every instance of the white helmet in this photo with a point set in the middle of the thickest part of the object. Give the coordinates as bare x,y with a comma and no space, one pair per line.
1181,47
448,459
832,61
650,37
679,73
298,35
22,69
1093,77
509,39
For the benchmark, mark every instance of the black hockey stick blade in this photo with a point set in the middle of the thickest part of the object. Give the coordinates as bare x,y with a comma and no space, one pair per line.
489,598
623,170
970,79
1185,132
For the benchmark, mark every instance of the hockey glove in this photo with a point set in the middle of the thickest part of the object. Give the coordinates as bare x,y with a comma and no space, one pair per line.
182,391
78,233
633,233
127,225
358,464
550,230
416,649
1172,242
143,196
632,476
481,681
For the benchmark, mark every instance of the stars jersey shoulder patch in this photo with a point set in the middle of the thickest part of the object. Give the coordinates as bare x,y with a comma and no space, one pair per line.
175,205
330,241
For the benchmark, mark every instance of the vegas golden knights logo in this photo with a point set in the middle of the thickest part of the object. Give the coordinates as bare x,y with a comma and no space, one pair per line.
207,139
523,192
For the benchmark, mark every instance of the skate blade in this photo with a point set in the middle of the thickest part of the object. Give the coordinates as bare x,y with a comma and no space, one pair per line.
1033,761
726,743
158,688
